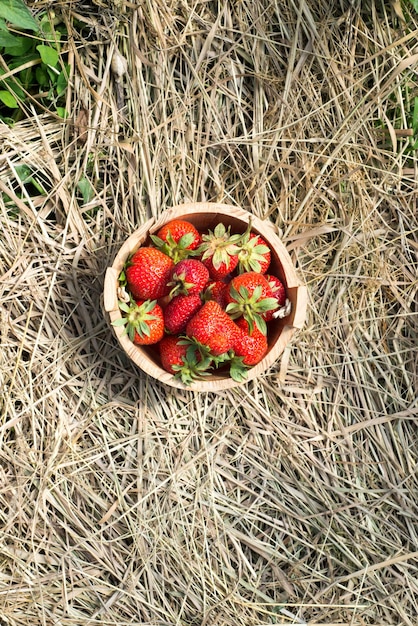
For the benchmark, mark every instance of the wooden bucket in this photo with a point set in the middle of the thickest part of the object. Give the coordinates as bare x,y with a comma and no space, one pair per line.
206,215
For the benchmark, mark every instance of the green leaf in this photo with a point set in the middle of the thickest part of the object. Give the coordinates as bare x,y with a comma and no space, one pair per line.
131,332
48,55
17,13
261,249
415,114
62,81
157,241
238,371
119,322
62,112
15,90
234,293
260,323
24,173
267,304
10,121
21,46
186,240
124,306
26,176
18,63
8,99
143,329
255,265
42,77
47,28
7,40
220,230
257,293
244,294
53,75
86,189
234,310
415,4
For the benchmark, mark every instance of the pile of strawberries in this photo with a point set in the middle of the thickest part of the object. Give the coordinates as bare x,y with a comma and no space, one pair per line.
204,299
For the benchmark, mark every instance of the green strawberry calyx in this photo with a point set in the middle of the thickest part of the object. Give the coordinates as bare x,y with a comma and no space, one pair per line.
205,352
122,280
251,253
180,287
219,245
195,364
237,369
176,250
136,318
251,307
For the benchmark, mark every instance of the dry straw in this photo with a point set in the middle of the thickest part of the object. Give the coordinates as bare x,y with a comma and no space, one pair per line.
291,500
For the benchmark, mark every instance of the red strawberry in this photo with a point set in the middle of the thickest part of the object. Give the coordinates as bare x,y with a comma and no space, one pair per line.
278,289
147,274
215,290
212,327
182,358
250,295
178,238
189,277
251,346
144,321
254,254
219,251
179,311
223,269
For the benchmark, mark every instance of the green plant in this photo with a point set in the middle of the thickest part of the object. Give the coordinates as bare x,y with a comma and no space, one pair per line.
413,124
32,181
28,182
401,114
32,67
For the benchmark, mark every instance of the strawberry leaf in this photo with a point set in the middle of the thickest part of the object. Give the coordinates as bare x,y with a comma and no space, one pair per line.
186,240
267,304
122,279
260,323
121,321
238,371
234,310
234,293
124,307
159,243
192,368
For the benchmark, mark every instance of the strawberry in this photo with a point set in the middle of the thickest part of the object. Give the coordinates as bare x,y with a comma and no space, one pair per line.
213,328
147,273
182,358
178,239
223,269
189,277
254,254
219,251
250,295
215,290
144,321
179,311
251,346
279,291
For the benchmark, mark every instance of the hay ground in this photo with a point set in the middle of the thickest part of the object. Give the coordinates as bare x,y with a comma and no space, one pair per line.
294,499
